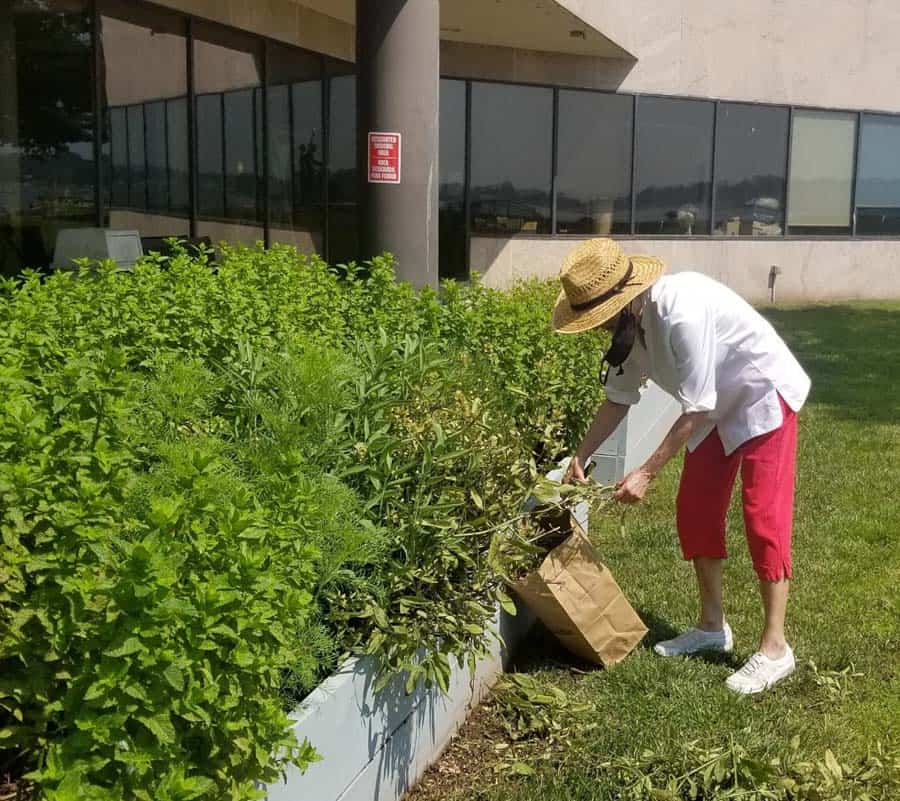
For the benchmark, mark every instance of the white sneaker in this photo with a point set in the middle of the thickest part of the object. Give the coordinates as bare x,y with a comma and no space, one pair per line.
696,640
760,672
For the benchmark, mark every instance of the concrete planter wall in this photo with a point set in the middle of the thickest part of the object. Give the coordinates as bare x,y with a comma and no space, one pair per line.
375,747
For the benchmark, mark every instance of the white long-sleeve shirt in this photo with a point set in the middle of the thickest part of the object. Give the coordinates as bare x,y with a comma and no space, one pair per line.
713,352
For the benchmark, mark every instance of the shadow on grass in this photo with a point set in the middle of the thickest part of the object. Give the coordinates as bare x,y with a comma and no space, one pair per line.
852,355
658,628
539,650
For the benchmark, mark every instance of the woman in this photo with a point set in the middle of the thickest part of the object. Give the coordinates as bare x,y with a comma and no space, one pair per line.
740,389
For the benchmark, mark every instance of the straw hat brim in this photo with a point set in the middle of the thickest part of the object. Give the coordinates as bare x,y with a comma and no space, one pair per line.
566,320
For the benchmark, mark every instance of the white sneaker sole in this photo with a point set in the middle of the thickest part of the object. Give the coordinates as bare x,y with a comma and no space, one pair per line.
745,690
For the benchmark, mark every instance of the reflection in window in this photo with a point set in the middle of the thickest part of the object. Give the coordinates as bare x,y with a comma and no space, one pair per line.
143,87
241,172
822,145
118,138
296,165
177,139
47,176
512,140
227,78
593,181
343,224
751,160
674,165
878,176
137,168
210,158
452,261
157,157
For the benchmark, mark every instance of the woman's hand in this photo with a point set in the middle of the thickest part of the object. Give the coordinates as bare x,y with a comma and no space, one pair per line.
575,471
633,487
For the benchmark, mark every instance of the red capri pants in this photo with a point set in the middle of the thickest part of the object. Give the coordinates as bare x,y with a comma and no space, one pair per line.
767,464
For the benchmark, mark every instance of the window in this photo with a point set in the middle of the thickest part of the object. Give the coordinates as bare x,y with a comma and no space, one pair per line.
822,145
296,153
157,155
878,176
751,162
177,148
674,165
343,224
47,168
137,166
593,181
511,159
144,93
227,80
451,191
210,158
118,144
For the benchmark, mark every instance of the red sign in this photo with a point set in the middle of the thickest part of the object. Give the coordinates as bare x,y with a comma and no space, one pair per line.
384,158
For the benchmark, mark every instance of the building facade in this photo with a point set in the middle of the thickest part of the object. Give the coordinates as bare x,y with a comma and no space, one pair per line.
757,143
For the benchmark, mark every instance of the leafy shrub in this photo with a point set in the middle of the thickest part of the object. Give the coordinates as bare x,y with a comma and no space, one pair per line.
213,483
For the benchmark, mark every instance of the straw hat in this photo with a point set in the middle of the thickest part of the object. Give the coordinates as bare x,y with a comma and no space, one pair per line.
599,280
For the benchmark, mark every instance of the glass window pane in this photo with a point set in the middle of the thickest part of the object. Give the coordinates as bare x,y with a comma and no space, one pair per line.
878,176
227,79
452,261
118,142
137,168
674,165
210,164
343,225
179,175
240,155
593,181
512,139
144,86
751,161
157,157
822,145
296,167
47,175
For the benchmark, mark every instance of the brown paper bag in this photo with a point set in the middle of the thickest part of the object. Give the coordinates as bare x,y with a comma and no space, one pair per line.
577,599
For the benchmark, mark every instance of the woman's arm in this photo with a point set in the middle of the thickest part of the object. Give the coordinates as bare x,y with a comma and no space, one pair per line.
633,487
608,417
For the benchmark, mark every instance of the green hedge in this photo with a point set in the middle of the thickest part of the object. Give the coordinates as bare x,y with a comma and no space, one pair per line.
215,482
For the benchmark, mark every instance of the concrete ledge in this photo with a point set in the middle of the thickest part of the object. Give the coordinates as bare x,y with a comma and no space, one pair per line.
375,747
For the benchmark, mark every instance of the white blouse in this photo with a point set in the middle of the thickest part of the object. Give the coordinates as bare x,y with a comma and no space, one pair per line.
713,352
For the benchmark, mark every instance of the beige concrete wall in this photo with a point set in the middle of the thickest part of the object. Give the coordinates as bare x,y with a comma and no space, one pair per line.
148,223
836,53
284,20
463,60
810,270
220,231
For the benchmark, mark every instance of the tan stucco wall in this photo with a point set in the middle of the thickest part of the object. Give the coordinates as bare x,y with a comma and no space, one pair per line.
810,270
837,53
462,60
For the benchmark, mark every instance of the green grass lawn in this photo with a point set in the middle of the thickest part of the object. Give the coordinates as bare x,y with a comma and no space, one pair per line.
844,613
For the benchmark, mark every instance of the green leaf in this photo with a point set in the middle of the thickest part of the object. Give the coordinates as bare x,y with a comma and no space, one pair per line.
507,603
160,726
521,769
131,646
832,765
175,677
